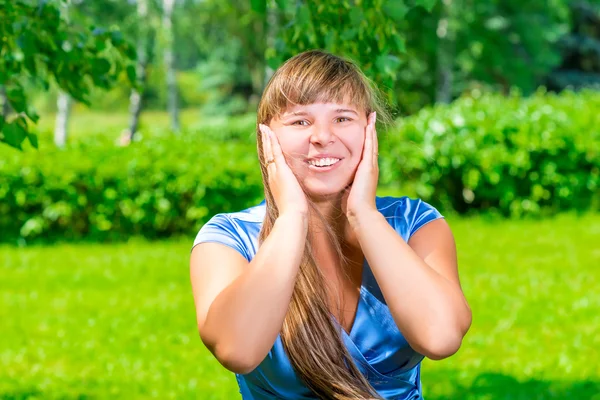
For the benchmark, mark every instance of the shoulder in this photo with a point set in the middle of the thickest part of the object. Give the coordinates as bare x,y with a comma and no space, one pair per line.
406,214
238,230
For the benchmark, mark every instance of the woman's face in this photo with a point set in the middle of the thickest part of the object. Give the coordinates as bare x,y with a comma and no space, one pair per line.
322,144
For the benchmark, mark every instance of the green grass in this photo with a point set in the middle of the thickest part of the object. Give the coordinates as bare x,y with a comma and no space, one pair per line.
117,321
85,122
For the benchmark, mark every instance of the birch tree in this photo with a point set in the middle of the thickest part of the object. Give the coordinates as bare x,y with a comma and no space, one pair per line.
135,99
63,103
63,111
39,46
169,61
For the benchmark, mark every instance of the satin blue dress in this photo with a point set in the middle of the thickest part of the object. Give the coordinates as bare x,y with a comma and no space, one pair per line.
375,342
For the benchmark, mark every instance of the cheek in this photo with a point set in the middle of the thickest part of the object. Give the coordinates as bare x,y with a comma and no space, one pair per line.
292,150
355,145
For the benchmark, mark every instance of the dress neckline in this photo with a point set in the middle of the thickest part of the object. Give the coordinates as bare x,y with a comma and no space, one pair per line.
353,328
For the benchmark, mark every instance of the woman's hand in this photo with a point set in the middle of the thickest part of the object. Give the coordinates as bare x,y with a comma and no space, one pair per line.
287,192
359,197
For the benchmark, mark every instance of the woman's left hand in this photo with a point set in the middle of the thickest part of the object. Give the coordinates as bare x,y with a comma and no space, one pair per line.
359,197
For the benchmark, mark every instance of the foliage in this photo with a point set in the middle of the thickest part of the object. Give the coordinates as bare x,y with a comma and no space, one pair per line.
117,321
511,156
366,31
157,187
496,44
580,50
515,156
41,45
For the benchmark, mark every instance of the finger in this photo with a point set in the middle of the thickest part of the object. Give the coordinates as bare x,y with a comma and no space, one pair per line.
368,147
267,151
374,140
276,148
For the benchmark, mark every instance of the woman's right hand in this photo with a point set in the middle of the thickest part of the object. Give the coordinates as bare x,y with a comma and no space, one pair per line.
287,192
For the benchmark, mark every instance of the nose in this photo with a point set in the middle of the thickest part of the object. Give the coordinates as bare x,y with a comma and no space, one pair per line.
322,135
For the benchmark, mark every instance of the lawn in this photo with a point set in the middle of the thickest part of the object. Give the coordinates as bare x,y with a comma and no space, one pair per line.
117,321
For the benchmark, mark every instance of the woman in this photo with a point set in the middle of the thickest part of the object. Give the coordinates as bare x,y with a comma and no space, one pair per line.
324,290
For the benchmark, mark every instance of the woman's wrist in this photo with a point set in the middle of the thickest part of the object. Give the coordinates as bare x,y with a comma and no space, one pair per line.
359,219
293,218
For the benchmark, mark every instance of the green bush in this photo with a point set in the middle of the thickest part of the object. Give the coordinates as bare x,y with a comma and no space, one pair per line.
508,155
95,190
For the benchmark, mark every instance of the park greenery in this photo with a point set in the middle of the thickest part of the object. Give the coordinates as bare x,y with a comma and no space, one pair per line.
117,321
510,156
126,125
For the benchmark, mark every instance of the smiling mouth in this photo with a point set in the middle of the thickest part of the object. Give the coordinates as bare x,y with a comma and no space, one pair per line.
324,162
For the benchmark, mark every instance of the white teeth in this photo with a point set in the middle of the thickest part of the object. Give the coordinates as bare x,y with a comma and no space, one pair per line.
323,162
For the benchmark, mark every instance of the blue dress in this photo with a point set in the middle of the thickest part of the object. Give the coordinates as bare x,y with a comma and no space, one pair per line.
375,342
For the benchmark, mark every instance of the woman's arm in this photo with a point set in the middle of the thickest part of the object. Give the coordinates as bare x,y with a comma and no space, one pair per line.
241,306
419,282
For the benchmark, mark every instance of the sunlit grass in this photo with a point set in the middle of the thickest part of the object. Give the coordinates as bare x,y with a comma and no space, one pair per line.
117,321
83,121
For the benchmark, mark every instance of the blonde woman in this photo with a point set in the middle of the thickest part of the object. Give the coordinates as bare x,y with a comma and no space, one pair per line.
324,290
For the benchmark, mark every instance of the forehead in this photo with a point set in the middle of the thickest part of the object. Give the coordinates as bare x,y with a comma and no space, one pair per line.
320,108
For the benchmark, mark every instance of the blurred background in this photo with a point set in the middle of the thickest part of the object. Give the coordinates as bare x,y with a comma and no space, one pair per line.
126,125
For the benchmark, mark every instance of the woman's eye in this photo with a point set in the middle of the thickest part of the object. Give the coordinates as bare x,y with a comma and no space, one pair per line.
344,119
300,122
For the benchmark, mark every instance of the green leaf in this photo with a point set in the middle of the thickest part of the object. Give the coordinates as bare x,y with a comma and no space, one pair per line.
400,43
33,139
426,4
303,17
330,40
32,114
16,98
259,6
116,37
131,73
395,9
349,34
388,64
283,4
100,66
14,134
356,16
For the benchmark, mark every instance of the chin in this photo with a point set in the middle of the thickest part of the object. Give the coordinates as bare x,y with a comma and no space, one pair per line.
324,190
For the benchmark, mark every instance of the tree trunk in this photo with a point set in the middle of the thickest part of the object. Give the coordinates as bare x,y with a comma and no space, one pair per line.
170,64
445,54
63,103
61,126
135,100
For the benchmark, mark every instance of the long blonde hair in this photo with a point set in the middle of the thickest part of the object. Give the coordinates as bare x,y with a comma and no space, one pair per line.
310,338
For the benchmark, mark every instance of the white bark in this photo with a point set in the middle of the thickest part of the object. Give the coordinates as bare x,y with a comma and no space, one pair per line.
63,103
169,60
135,99
61,128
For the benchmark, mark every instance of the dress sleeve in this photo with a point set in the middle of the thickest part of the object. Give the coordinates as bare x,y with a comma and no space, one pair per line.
420,213
222,229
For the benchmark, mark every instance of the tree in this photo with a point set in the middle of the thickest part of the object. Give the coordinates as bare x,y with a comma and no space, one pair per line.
39,45
135,99
580,50
367,31
170,63
63,103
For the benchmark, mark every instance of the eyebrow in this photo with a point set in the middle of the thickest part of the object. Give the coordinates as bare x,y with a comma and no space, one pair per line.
339,110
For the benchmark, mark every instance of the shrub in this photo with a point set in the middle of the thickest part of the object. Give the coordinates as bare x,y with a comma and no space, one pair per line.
158,187
509,155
